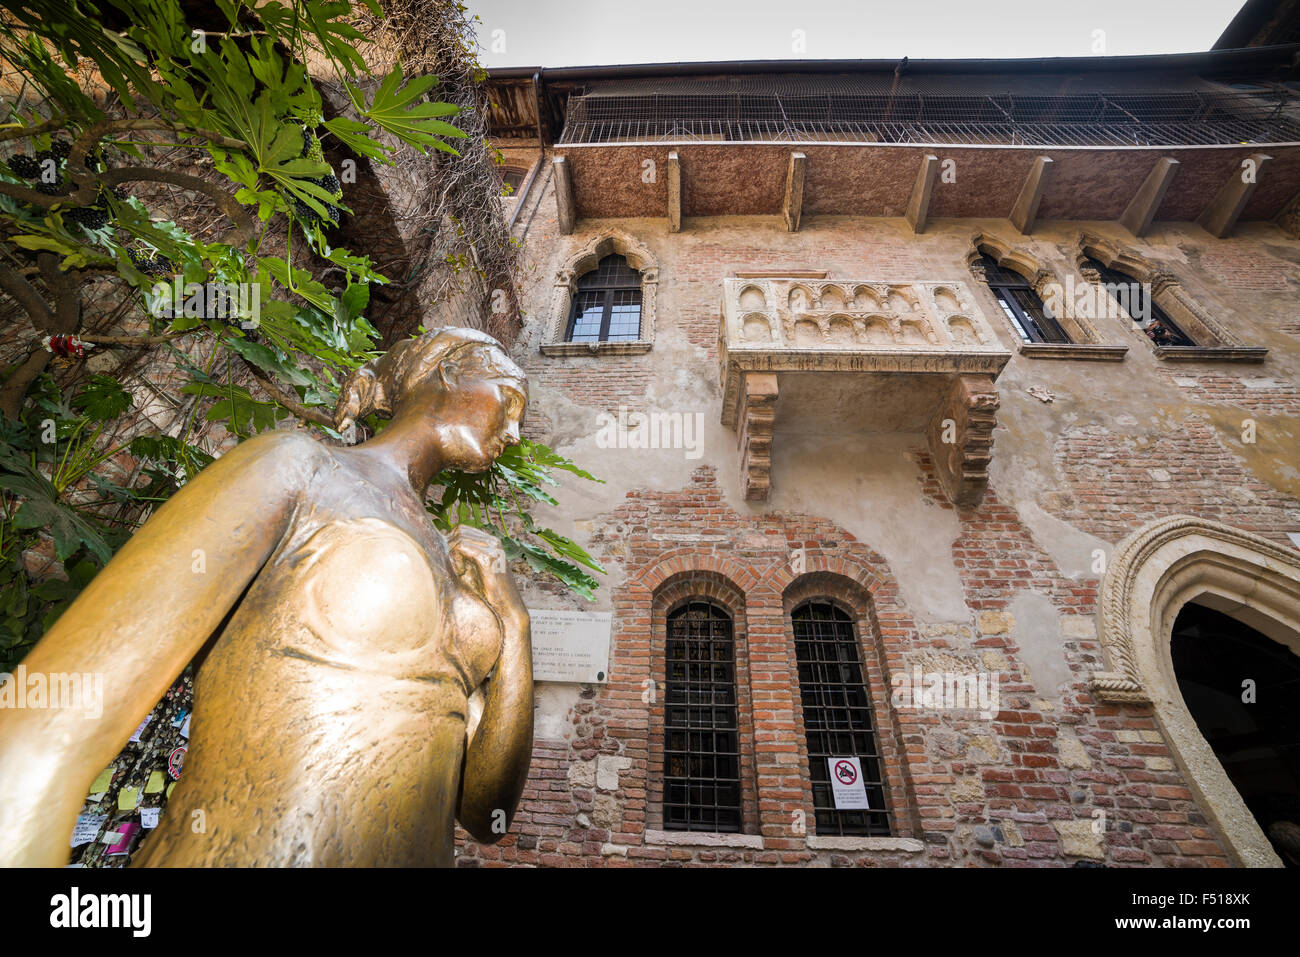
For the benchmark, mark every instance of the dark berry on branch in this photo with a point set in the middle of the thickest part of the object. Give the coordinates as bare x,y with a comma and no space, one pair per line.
24,166
330,183
61,148
49,189
88,216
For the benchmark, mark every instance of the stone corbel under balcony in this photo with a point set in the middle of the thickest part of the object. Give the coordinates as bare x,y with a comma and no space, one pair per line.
865,355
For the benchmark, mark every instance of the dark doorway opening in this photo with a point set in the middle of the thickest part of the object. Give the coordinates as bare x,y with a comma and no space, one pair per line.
1257,742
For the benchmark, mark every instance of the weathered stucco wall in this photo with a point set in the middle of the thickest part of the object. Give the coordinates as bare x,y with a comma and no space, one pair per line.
1096,450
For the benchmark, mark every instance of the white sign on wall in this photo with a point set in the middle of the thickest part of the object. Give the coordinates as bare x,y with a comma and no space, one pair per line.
570,645
846,784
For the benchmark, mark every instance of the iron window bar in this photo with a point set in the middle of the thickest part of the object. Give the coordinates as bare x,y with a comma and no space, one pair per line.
1030,316
838,718
607,304
1159,327
701,729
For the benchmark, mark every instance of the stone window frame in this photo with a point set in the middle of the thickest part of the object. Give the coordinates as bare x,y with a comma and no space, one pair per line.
565,287
1155,572
1215,341
853,598
670,595
1086,342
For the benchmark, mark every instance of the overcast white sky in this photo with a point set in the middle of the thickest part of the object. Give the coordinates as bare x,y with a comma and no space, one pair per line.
589,32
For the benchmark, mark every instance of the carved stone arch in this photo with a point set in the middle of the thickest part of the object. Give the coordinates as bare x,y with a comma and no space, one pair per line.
1044,281
1153,574
1006,256
584,260
1166,290
1117,256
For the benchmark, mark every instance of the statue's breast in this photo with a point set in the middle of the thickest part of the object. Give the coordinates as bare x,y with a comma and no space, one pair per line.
361,593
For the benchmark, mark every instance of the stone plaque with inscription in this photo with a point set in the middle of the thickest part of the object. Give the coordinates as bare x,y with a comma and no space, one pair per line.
570,645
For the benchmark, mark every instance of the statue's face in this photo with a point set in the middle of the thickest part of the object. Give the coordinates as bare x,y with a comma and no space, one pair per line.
475,416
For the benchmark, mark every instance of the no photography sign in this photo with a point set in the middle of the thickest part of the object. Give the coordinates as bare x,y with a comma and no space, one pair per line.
846,784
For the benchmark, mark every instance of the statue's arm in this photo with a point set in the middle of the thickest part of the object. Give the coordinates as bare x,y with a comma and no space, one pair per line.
497,757
134,628
499,752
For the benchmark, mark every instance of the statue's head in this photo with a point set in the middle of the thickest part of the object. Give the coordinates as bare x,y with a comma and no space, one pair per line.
459,381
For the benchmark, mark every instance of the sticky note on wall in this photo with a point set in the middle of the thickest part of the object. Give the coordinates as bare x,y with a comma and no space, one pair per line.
102,782
127,799
155,784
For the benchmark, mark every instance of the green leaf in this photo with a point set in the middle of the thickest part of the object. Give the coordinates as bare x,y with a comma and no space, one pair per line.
102,399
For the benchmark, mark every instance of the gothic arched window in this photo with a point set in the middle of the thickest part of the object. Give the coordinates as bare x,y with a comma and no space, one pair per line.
1140,304
607,304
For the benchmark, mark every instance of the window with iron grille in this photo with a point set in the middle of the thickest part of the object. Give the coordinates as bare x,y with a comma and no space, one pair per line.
1029,315
1138,302
607,304
701,739
837,717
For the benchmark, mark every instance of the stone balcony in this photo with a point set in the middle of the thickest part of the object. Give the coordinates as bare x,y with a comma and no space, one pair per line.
860,355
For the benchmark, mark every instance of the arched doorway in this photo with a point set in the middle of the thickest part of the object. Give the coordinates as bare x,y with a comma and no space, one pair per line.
1155,574
1243,689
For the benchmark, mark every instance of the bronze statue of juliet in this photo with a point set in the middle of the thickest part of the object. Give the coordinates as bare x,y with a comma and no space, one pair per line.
332,718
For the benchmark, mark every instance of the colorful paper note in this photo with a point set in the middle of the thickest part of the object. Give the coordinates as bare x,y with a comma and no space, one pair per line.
128,831
185,728
88,826
156,783
149,817
128,798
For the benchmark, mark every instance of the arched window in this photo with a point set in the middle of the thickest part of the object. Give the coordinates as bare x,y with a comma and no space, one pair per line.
701,737
837,717
1137,301
607,304
1015,294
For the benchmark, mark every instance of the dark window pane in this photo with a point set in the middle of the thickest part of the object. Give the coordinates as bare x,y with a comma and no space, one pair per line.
1028,313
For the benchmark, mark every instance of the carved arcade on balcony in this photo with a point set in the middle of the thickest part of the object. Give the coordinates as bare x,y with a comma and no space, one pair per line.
865,356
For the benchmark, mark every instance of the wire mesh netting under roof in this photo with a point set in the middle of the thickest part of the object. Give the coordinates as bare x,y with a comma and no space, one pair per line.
1103,119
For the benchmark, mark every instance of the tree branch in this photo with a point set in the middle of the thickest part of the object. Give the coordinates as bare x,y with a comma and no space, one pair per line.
134,340
47,127
15,387
283,398
25,294
244,223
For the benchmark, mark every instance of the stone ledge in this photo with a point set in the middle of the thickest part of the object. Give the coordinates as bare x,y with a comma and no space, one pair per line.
1211,353
596,348
704,839
908,845
1087,351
